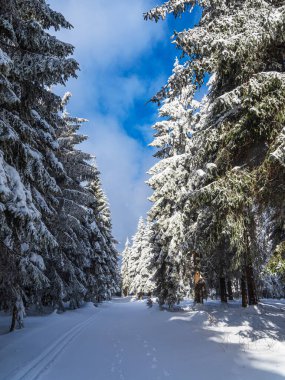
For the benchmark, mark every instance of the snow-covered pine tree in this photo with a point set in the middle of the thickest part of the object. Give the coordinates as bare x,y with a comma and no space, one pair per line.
47,223
241,132
86,268
168,179
136,252
176,125
71,225
105,254
143,283
126,255
31,61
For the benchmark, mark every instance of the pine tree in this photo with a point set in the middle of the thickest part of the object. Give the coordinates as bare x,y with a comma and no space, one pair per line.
31,61
136,252
126,255
55,228
83,228
143,282
106,255
168,180
71,227
239,140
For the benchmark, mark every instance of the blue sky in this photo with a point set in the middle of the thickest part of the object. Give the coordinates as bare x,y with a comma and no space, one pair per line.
124,61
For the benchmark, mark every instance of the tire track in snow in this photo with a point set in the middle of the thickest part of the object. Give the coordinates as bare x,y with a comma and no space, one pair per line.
34,369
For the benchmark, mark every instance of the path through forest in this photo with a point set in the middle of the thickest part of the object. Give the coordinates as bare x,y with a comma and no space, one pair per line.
124,340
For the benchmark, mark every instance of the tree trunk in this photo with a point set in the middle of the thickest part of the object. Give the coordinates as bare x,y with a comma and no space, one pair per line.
230,290
251,290
217,295
198,293
223,289
14,318
198,296
243,292
198,280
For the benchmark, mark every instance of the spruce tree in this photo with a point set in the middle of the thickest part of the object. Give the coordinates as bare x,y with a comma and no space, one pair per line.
105,253
71,227
143,282
126,255
55,232
31,60
136,252
168,180
239,140
83,228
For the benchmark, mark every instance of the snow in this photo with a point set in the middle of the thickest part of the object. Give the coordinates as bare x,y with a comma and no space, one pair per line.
200,173
38,261
4,59
17,196
123,339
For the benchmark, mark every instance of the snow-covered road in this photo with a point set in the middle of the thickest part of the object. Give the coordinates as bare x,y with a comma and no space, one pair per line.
124,340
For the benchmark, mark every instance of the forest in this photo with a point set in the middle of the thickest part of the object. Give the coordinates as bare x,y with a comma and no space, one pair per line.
216,225
214,233
55,224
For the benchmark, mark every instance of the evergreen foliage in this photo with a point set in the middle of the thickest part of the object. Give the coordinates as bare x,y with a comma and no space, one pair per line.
168,180
51,224
229,200
126,254
136,269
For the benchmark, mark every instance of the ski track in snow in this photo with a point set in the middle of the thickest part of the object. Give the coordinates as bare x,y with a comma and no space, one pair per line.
124,340
37,367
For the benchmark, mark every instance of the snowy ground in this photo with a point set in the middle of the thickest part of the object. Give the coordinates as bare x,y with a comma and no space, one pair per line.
124,340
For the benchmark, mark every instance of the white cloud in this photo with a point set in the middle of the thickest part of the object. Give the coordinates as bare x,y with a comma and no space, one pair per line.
123,162
111,40
109,32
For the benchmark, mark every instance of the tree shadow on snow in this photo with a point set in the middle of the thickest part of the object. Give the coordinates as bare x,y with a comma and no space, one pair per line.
247,342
